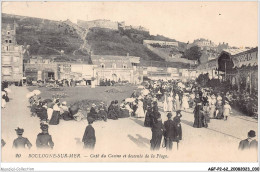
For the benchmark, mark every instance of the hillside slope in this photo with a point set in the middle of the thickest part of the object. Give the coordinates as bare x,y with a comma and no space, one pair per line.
45,37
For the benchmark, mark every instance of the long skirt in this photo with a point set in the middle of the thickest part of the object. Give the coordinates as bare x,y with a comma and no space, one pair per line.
177,102
140,112
156,140
147,121
212,111
67,116
165,106
170,106
89,145
55,118
198,122
185,105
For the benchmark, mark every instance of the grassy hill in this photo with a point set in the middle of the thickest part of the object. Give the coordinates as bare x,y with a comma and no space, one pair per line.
111,42
48,38
45,37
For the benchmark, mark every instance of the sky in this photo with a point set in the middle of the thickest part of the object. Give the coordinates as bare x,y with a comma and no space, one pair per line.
235,23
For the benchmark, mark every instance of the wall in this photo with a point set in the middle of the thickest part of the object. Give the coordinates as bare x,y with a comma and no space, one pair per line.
98,23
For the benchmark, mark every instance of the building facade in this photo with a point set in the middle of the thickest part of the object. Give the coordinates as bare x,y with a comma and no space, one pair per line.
98,23
40,69
161,43
116,68
12,55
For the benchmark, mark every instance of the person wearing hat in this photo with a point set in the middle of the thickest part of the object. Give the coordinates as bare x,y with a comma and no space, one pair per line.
169,132
219,110
21,141
93,112
198,115
227,110
148,121
102,113
64,111
212,106
44,139
177,125
249,143
89,138
55,118
2,143
157,132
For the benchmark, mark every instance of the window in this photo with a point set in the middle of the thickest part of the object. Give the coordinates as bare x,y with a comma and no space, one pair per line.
124,66
10,41
102,65
6,48
8,32
6,41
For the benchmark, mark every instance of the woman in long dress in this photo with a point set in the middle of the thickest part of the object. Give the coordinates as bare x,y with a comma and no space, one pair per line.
212,105
170,104
198,116
140,111
148,117
55,118
157,132
165,104
177,102
185,104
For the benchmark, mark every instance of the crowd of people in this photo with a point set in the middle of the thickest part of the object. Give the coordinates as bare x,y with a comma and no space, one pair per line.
175,97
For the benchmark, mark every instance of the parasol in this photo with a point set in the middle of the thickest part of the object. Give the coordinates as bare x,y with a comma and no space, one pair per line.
29,95
36,92
130,100
145,92
141,87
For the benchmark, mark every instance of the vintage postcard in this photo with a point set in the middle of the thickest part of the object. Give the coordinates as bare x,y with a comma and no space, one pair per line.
129,82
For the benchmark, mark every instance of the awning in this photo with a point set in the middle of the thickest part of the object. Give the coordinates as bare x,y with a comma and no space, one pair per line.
247,59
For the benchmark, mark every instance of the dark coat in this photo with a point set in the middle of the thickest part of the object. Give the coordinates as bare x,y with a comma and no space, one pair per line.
170,131
89,137
148,122
20,142
55,118
198,117
246,144
157,132
44,140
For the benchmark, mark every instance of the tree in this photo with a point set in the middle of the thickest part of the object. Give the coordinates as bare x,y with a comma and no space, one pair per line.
193,53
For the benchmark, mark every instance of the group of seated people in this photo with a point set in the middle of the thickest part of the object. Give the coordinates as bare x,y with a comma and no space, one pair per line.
52,111
114,111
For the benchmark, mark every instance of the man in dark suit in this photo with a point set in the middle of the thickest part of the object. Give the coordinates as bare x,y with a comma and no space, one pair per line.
249,143
89,138
21,141
169,132
44,139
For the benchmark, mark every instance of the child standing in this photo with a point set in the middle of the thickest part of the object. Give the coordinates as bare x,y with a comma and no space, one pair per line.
227,110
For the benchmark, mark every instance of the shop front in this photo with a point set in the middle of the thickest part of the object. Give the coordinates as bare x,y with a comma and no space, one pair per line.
246,65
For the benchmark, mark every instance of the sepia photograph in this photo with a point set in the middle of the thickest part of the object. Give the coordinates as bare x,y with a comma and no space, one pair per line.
129,81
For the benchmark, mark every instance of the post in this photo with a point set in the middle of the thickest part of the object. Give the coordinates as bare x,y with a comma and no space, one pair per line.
238,80
250,82
225,70
218,73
